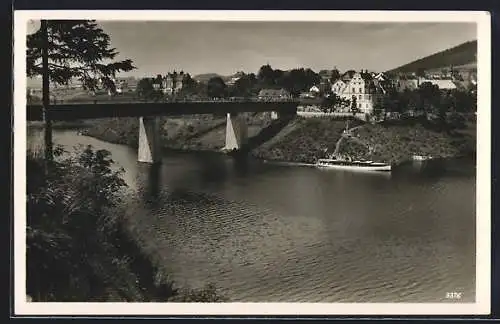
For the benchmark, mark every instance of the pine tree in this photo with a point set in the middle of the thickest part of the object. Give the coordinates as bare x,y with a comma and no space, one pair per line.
72,49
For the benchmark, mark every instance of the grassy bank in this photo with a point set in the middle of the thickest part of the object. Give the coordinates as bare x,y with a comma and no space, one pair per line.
302,140
194,132
77,124
396,143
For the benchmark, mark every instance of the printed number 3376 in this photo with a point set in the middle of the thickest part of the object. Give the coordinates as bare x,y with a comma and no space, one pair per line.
453,295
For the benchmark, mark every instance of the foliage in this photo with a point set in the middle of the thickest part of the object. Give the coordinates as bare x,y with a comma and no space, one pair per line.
429,99
216,88
69,226
245,86
397,143
189,85
378,108
146,91
77,49
308,140
78,246
331,103
354,105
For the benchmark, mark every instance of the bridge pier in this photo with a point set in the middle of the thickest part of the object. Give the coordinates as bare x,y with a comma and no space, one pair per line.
149,150
236,132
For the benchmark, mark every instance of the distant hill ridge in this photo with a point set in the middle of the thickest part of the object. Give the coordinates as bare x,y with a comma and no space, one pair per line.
460,55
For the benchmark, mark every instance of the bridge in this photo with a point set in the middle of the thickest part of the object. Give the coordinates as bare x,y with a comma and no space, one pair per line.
149,149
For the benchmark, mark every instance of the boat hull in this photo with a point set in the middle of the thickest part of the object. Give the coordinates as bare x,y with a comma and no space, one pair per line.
374,168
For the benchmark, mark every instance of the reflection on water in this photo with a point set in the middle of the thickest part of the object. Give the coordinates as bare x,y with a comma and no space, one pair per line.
264,232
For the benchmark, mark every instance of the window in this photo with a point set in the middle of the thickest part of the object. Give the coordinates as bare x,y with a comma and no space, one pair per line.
360,90
353,90
359,105
360,97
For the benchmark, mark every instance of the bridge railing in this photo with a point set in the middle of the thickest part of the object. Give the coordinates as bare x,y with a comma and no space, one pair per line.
119,99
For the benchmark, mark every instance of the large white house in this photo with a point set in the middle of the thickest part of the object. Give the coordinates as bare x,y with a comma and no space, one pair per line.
362,87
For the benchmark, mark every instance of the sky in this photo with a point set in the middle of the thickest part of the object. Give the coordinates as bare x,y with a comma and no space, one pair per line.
158,47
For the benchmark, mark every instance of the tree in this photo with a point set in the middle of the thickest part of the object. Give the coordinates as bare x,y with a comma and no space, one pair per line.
216,88
245,86
266,75
189,85
354,106
335,75
420,72
77,49
72,49
146,91
378,108
329,103
429,97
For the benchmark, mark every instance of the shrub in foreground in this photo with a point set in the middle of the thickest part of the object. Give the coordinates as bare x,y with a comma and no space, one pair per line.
78,248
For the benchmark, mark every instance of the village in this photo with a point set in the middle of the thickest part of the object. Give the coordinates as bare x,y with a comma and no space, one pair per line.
362,94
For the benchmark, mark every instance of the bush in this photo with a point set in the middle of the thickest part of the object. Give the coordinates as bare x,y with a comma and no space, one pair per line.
78,246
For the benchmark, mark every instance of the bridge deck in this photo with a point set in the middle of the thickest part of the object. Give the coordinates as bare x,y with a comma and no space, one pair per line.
104,110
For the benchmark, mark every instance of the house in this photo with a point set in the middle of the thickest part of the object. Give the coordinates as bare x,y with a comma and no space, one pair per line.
361,87
446,84
379,77
273,94
232,80
172,82
315,89
347,76
338,86
308,95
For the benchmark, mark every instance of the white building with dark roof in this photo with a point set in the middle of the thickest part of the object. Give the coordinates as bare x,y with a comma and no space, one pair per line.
362,87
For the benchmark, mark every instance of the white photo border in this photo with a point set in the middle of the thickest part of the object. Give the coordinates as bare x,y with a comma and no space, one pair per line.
481,306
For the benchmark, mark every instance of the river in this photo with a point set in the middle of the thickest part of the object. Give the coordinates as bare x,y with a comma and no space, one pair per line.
271,233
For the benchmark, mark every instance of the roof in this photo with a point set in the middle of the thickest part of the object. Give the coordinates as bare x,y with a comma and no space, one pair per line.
443,84
408,84
366,76
273,92
348,75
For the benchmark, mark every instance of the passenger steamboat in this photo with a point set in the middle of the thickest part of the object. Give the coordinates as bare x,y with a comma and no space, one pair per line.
348,164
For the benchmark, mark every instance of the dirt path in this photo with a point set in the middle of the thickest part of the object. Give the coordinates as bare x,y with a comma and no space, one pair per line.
347,135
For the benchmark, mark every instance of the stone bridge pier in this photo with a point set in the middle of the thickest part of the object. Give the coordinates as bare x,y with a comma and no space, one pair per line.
149,150
236,132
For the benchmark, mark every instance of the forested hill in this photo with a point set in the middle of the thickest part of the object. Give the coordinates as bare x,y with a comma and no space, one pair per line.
459,55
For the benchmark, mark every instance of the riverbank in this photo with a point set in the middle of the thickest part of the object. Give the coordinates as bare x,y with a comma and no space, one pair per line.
301,140
396,142
194,132
77,124
89,248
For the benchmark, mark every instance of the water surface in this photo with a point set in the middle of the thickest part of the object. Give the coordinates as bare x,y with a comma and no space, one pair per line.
272,233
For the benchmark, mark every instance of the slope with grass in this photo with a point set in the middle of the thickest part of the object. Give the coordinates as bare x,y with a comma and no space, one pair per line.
398,143
194,132
304,140
463,54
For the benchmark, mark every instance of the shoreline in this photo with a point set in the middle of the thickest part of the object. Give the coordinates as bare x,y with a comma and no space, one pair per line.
304,140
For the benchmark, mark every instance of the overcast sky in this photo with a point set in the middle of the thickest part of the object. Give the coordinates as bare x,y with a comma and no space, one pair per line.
227,47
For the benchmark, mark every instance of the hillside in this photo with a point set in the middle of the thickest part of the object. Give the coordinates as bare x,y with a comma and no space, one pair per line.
463,54
206,76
